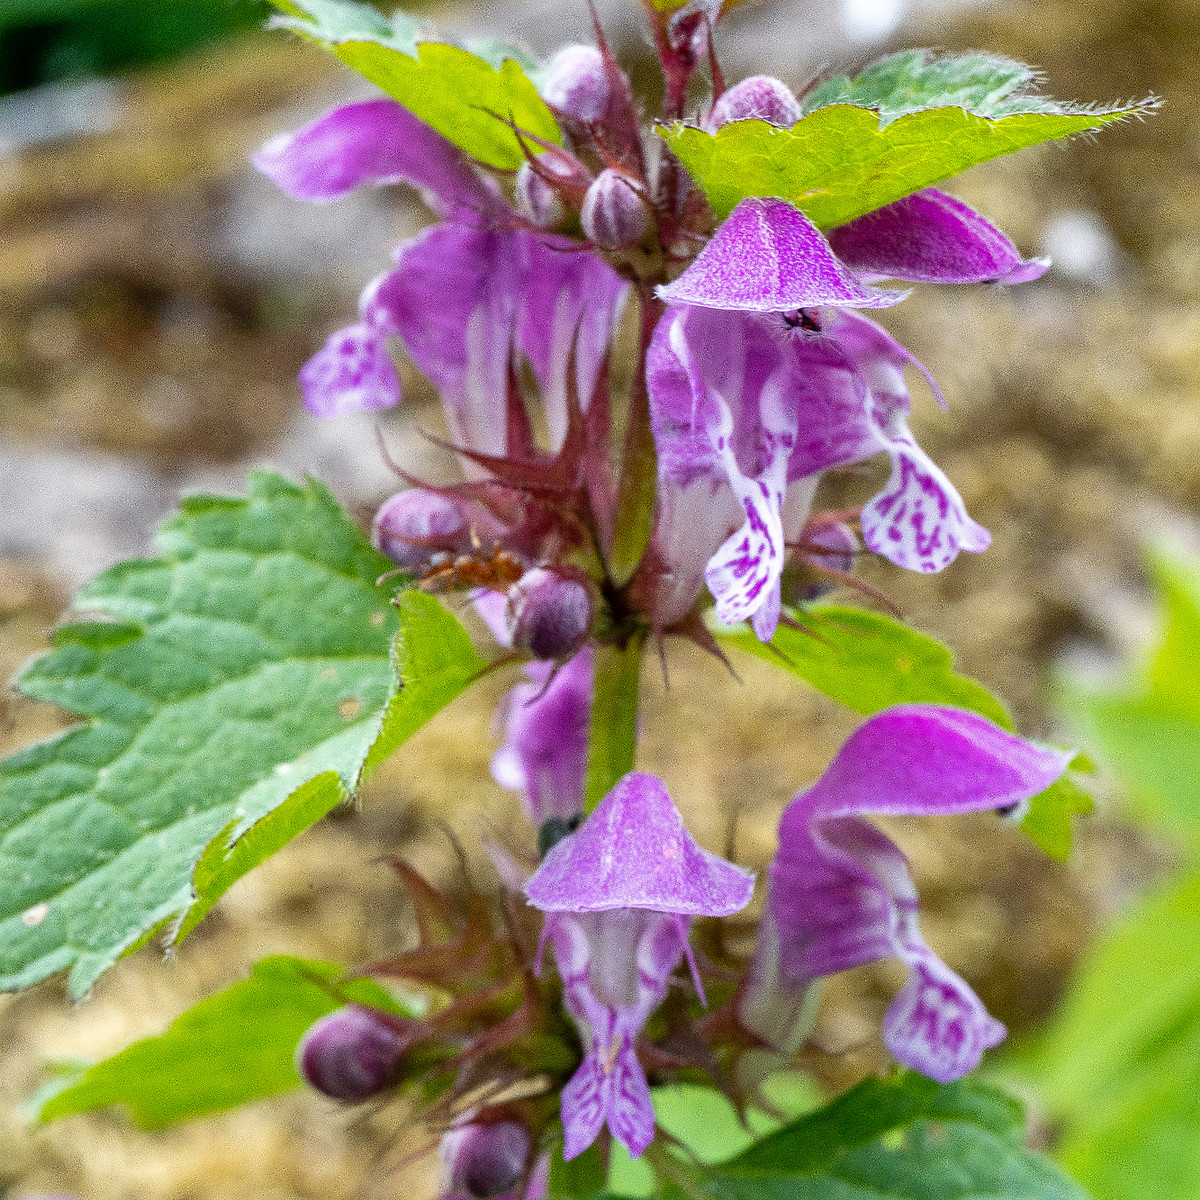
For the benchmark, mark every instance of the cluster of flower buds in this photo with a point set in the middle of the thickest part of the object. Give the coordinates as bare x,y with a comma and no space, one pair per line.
756,373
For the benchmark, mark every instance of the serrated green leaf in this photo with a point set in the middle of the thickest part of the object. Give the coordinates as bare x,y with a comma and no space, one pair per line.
706,1125
466,97
434,662
236,1046
228,857
842,161
250,664
911,80
869,661
906,1138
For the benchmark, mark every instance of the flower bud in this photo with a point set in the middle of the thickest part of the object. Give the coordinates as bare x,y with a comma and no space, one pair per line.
760,97
536,199
613,213
550,613
483,1160
576,83
350,1055
829,546
412,524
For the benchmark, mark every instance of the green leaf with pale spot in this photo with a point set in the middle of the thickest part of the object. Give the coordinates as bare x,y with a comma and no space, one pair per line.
249,665
869,661
844,160
466,97
236,1046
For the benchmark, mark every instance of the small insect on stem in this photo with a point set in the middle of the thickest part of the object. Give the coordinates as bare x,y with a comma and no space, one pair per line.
497,571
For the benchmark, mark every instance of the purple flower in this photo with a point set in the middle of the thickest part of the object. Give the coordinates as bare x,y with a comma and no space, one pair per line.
544,754
619,895
747,414
464,297
840,893
761,376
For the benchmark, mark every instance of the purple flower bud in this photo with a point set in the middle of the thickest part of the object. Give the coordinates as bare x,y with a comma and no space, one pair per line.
412,524
350,1054
483,1160
536,199
832,547
550,613
761,98
577,83
613,214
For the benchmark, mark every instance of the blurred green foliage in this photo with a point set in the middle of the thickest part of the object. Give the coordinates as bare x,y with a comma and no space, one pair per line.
1120,1067
46,40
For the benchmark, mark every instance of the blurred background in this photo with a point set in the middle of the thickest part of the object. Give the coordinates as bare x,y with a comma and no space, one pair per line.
157,298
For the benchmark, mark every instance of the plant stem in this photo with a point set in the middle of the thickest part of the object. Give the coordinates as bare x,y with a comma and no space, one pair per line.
612,735
639,470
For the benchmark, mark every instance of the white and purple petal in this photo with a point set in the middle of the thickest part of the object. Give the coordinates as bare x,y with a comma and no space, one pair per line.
570,300
352,372
918,520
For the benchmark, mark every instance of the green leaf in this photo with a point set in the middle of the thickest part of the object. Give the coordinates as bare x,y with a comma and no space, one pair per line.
869,661
911,80
250,664
842,161
1121,1064
434,662
704,1122
236,1046
466,97
1148,726
906,1138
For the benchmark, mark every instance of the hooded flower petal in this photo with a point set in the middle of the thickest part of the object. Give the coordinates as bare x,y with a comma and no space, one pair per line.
931,237
840,892
619,894
371,143
768,257
634,852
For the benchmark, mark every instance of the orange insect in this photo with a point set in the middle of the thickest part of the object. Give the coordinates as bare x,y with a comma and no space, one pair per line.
497,571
